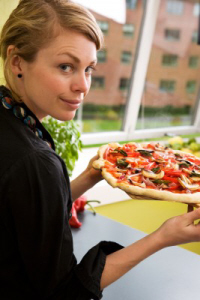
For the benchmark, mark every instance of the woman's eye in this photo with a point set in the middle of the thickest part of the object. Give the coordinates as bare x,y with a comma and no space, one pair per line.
66,68
89,70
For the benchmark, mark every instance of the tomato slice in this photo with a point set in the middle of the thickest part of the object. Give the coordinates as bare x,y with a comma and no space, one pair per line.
150,146
133,154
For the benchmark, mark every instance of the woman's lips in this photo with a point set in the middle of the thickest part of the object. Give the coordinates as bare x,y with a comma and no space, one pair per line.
74,104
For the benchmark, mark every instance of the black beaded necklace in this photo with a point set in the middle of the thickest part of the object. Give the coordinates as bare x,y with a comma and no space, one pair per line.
21,112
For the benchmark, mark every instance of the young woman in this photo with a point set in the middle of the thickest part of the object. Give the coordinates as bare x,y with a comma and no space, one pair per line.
49,50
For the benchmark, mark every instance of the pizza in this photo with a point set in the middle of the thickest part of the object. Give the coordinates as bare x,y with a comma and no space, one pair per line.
151,171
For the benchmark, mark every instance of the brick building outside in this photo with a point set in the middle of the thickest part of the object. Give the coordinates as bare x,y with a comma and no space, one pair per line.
173,73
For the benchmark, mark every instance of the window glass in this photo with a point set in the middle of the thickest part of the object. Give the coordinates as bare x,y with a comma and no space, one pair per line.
194,36
101,56
172,34
104,26
175,7
128,30
124,83
131,4
98,83
191,87
170,95
196,9
103,109
167,86
126,57
169,60
193,61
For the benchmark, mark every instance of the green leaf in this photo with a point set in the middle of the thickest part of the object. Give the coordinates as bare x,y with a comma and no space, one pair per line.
67,140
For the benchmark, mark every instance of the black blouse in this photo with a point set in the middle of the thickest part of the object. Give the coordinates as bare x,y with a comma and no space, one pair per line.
36,248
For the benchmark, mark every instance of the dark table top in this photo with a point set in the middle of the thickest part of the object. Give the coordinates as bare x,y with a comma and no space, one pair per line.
170,274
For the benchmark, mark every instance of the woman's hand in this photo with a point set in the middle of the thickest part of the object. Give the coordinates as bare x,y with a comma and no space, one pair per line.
86,180
94,174
179,230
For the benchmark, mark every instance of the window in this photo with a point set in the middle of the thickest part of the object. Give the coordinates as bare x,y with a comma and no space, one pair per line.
167,86
104,107
101,56
126,57
193,62
195,36
104,26
175,7
170,99
196,10
169,60
131,4
172,34
124,83
191,87
98,83
128,30
147,97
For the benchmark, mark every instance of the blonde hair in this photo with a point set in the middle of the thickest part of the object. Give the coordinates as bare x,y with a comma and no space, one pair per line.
32,25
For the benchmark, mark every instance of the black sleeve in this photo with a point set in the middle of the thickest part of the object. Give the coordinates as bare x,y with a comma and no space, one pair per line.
37,195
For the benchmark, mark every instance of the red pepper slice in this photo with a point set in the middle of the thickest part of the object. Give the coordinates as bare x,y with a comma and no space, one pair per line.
175,180
172,172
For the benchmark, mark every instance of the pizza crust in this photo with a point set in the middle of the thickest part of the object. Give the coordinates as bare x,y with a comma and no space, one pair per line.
138,192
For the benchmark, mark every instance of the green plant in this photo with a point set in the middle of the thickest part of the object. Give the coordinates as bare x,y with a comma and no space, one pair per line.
67,140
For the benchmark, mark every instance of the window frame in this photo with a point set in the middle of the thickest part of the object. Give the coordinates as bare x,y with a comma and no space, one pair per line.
137,84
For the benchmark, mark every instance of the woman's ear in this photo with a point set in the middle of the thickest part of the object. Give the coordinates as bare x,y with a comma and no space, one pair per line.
14,60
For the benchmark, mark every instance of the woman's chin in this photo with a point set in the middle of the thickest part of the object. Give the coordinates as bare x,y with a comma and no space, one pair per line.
64,117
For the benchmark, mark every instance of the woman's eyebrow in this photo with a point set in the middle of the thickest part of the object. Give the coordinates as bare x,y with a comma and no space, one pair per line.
75,58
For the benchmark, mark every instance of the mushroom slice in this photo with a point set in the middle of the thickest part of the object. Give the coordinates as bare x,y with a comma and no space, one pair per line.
163,186
195,173
159,160
174,166
195,178
140,184
153,175
187,171
186,179
191,187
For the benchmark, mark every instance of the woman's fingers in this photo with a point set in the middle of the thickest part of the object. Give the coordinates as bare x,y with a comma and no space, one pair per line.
193,215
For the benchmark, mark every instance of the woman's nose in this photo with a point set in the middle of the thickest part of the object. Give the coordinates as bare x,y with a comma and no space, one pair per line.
81,83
